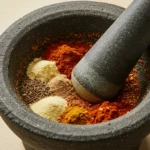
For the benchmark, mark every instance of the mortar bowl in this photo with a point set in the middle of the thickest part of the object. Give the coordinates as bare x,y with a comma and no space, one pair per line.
18,45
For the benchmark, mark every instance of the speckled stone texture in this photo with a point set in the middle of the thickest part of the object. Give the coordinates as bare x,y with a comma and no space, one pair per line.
124,133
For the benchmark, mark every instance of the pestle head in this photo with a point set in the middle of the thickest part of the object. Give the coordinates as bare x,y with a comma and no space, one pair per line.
101,73
90,85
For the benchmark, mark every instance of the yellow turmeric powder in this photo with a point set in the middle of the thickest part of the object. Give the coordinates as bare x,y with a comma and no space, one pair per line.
75,115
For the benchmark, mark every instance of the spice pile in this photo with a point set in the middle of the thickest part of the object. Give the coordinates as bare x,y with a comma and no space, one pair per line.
48,91
66,54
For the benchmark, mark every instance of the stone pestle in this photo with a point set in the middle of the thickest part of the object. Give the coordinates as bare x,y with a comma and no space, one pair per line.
101,73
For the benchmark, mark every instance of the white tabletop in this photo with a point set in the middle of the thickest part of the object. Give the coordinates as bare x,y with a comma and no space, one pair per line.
10,11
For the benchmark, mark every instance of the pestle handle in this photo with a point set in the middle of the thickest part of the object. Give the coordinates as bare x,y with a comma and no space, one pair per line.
103,70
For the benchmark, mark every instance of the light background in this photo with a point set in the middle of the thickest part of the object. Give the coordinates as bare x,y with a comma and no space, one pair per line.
10,11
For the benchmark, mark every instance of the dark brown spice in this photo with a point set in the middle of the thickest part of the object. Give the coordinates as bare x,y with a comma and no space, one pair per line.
33,90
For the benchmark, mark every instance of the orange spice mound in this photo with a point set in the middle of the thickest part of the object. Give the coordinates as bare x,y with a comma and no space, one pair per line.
108,111
66,54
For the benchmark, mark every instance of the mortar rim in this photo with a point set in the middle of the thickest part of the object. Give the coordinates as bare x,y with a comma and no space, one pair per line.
64,132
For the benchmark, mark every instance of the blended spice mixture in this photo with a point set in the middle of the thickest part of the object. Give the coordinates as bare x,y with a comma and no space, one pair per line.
66,55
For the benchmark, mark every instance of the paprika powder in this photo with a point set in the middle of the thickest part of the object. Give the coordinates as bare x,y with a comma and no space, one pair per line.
66,54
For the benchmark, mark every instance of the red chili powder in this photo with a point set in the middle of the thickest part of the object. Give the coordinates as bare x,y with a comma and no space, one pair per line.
66,54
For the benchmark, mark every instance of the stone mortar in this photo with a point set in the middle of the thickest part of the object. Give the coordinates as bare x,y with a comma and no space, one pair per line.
37,133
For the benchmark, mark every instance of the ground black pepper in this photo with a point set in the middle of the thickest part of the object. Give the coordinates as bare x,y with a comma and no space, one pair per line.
33,90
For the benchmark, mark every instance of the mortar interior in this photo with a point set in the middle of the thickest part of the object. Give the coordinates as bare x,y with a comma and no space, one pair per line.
33,43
